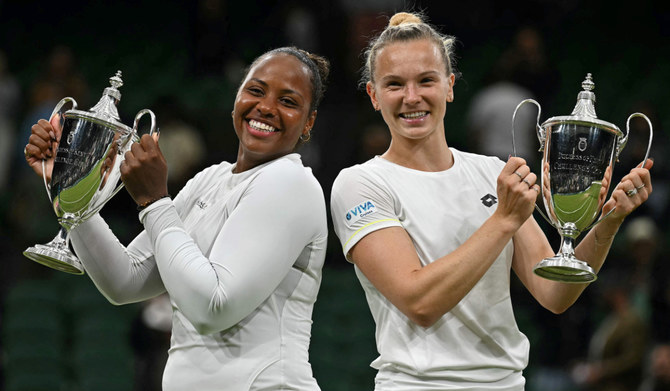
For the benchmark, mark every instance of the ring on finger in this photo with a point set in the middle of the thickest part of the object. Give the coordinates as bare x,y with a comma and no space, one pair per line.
519,175
639,187
631,192
25,152
526,182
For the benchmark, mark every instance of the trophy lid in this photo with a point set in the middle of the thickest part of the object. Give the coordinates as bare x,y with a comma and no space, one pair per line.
104,112
584,112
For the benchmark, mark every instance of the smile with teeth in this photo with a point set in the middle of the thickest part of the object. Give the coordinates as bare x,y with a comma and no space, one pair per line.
261,127
414,115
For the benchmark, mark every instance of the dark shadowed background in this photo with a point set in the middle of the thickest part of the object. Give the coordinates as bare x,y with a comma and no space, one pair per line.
184,60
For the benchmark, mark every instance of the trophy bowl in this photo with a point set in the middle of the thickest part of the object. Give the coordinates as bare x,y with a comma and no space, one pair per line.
580,151
86,172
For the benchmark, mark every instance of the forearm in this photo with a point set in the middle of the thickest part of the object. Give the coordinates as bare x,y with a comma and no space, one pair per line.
123,275
190,278
595,246
447,280
426,293
218,290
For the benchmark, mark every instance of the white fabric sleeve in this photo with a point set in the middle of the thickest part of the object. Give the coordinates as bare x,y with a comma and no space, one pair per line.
123,275
253,252
359,205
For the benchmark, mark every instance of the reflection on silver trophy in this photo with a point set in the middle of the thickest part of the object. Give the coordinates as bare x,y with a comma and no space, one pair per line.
86,170
579,155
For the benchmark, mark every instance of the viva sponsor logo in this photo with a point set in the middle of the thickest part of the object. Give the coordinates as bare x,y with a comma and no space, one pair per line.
361,210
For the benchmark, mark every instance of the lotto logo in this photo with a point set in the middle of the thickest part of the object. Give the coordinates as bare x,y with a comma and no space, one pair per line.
489,200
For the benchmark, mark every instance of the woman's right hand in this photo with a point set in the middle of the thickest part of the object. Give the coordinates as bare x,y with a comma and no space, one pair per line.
42,145
517,191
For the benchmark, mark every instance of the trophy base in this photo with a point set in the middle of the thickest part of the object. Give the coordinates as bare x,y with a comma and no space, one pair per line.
565,269
55,258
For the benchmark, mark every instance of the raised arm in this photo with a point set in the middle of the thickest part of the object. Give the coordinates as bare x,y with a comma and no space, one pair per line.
123,275
252,253
389,259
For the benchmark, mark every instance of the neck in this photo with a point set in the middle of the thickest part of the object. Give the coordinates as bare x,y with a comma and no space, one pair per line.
422,155
246,161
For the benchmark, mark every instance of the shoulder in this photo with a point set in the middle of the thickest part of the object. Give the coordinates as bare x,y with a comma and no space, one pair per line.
366,173
287,169
208,175
286,182
286,165
477,161
287,177
476,157
363,184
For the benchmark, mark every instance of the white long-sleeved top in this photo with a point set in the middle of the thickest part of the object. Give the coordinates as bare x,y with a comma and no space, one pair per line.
240,256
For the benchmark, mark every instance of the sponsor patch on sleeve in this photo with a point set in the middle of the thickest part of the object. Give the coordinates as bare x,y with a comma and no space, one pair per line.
359,211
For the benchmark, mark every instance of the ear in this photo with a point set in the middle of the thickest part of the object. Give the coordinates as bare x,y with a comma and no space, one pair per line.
310,123
450,91
370,89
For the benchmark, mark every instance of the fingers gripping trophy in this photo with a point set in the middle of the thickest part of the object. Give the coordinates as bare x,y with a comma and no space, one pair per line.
579,152
86,170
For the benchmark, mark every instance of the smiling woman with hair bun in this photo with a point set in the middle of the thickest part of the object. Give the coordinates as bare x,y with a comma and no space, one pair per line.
434,232
239,250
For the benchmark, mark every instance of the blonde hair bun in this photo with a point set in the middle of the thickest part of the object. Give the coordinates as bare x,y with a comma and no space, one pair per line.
404,18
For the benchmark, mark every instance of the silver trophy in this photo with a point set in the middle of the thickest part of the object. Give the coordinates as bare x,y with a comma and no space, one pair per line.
86,170
579,155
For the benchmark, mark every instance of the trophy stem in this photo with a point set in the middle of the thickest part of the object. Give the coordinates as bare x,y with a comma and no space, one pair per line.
564,266
56,254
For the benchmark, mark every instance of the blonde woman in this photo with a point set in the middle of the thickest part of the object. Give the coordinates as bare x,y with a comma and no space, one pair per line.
434,232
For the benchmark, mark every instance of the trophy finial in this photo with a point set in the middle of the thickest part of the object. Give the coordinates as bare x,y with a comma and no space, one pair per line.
106,106
116,81
586,99
588,84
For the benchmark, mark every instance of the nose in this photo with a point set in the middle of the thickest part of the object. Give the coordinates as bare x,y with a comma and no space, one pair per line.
412,95
266,107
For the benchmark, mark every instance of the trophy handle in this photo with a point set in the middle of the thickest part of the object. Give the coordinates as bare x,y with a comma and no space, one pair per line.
139,115
59,106
621,143
541,136
56,110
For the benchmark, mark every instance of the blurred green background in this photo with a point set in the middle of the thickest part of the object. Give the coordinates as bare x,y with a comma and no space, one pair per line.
184,59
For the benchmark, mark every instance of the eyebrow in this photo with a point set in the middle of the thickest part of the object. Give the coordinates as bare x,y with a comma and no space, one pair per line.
422,74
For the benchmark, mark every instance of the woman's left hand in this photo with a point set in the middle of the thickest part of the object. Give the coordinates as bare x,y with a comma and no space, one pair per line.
630,193
144,170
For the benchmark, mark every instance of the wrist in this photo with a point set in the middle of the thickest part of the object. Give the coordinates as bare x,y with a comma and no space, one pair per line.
604,232
141,206
503,225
